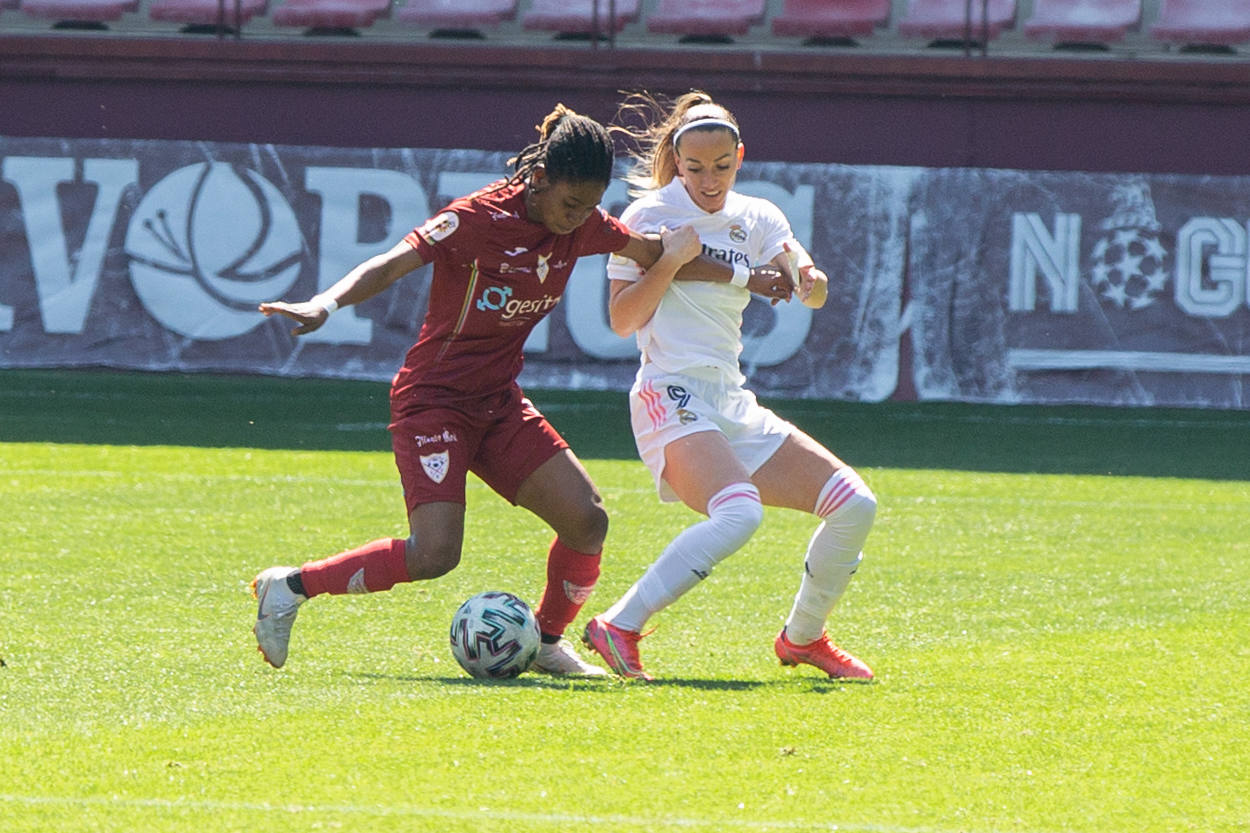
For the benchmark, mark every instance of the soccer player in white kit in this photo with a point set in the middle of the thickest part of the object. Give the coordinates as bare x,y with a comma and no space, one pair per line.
705,438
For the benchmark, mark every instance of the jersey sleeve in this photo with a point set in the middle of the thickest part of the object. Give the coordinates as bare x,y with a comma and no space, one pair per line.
775,231
622,268
440,234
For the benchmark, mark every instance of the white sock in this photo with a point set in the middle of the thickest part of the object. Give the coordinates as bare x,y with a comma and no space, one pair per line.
847,507
734,513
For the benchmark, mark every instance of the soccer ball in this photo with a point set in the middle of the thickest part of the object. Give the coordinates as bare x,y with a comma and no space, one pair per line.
494,635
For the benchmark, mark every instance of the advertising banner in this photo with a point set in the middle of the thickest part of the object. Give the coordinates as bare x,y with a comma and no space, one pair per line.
968,285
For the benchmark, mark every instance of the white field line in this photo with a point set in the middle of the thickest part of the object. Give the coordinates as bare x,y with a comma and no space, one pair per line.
558,821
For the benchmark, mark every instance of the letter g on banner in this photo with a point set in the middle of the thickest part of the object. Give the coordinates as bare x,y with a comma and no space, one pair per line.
207,244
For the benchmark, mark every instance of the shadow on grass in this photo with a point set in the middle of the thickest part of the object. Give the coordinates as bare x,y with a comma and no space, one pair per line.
106,407
814,685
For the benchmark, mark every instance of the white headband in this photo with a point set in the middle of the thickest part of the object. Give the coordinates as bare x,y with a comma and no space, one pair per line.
707,122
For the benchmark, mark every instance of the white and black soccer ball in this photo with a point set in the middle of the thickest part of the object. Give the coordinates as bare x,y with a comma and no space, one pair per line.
494,635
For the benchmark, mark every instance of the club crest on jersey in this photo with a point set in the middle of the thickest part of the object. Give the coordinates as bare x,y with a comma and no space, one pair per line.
440,227
542,267
435,465
737,233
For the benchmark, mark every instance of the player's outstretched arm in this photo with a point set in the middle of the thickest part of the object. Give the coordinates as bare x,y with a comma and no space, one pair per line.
361,283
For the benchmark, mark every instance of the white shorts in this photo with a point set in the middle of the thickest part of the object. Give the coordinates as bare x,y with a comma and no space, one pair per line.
665,407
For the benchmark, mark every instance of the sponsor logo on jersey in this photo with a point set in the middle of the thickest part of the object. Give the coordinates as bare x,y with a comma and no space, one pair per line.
500,298
728,255
686,416
435,465
519,250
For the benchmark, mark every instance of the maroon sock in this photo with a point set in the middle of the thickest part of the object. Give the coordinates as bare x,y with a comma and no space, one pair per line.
378,565
571,575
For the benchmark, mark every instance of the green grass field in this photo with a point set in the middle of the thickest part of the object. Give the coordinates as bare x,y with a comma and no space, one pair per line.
1055,601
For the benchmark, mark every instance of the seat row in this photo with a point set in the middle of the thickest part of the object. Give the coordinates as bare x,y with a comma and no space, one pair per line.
1223,23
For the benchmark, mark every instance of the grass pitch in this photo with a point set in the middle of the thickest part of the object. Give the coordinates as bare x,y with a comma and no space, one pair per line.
1054,600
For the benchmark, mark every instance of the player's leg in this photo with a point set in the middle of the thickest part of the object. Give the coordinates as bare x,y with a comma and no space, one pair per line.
431,451
804,475
527,462
702,471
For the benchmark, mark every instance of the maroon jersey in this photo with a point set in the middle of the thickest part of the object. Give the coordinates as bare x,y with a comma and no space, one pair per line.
496,275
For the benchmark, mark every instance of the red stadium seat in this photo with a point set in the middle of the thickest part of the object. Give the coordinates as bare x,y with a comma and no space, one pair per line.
948,19
1082,21
1195,22
456,14
84,11
577,17
705,18
206,12
831,18
330,15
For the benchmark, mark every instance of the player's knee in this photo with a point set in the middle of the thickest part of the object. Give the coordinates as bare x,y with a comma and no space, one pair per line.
737,512
588,529
431,556
847,501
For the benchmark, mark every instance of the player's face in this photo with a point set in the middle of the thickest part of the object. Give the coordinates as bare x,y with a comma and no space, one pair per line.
562,205
707,164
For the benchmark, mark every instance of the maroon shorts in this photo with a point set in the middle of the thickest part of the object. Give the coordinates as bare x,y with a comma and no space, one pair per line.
503,444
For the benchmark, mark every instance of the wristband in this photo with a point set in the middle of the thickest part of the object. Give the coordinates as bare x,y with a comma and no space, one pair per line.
742,274
327,304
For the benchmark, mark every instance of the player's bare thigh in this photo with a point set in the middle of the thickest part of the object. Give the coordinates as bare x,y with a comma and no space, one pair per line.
699,465
795,474
561,492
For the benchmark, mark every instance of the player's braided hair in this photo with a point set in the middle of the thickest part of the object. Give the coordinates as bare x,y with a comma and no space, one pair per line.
572,148
655,159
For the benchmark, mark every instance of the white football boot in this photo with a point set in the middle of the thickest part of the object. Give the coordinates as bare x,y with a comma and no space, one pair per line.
560,660
276,609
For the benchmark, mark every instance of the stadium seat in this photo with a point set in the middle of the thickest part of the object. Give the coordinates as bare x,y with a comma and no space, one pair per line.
831,18
331,16
1082,21
456,14
947,20
577,17
705,18
79,11
1202,22
229,13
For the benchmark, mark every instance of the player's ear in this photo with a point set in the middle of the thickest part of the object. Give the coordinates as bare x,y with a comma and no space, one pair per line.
538,178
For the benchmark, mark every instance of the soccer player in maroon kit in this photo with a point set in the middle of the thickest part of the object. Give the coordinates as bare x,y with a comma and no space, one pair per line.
502,257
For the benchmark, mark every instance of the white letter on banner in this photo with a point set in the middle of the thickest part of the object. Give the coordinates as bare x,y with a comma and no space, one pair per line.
1034,249
339,247
1227,267
65,291
792,321
586,312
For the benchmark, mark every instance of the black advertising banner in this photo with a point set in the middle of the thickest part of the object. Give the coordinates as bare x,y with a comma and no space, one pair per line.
1001,286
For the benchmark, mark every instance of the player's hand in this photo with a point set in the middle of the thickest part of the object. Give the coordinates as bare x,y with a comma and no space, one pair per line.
770,282
309,315
682,243
810,283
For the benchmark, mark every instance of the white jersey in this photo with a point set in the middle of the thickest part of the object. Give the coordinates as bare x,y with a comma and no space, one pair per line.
697,327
